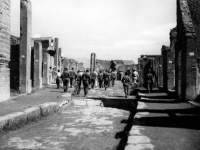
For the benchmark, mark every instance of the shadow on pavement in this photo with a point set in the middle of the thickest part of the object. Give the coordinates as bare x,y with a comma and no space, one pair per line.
181,121
123,135
172,111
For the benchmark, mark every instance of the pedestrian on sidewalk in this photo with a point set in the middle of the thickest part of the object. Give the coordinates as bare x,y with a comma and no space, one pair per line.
86,82
100,78
150,81
126,82
58,79
78,82
106,79
66,79
72,77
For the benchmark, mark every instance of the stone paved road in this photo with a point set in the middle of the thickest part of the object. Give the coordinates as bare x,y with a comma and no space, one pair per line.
78,128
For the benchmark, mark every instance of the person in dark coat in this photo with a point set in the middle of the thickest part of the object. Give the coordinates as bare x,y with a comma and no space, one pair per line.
106,79
126,82
66,78
86,82
109,78
150,81
78,82
72,77
100,78
113,78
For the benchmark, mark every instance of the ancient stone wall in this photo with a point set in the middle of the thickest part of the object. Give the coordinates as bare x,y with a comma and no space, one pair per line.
4,49
188,46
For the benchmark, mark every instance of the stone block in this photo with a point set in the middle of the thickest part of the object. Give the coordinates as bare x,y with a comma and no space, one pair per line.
48,108
138,140
79,102
32,113
94,103
139,147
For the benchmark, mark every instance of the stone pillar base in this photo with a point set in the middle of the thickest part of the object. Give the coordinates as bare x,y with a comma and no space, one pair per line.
4,84
41,85
29,86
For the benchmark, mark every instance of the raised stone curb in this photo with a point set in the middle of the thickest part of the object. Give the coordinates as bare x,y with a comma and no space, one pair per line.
15,120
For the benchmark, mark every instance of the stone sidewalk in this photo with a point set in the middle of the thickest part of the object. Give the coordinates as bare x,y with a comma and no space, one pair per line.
162,122
25,108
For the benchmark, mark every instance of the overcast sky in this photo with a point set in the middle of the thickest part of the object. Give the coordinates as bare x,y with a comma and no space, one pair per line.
113,29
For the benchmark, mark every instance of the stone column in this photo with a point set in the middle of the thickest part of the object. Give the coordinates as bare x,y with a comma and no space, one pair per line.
93,62
38,65
59,58
46,66
56,56
165,77
25,46
4,50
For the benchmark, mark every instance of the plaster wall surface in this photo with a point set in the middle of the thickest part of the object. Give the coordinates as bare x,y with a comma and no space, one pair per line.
4,50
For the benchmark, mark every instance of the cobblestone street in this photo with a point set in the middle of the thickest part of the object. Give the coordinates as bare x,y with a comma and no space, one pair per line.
79,127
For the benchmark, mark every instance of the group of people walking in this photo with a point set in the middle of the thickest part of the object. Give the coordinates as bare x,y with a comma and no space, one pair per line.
89,79
105,79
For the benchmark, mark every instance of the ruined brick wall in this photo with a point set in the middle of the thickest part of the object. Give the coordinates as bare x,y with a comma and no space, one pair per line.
194,6
103,64
188,47
4,50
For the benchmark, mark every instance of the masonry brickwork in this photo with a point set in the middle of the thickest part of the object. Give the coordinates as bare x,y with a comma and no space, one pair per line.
4,50
188,47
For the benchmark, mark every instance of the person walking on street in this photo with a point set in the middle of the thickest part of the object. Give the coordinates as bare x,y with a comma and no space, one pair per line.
100,78
155,79
126,82
135,77
78,82
58,79
93,79
109,78
66,79
150,81
113,78
86,82
106,79
72,77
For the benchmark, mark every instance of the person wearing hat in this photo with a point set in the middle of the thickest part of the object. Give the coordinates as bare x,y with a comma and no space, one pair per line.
66,79
86,82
